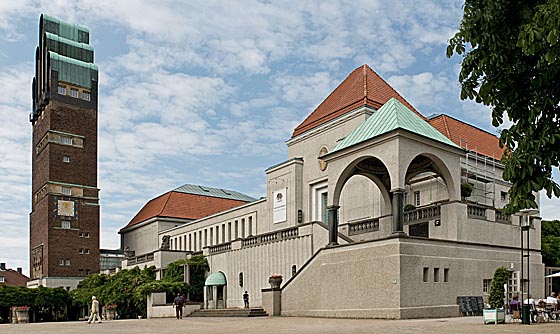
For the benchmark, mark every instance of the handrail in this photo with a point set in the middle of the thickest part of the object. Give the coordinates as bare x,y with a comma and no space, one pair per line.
423,214
363,226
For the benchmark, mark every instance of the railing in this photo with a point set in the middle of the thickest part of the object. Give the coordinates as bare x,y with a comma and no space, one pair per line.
502,217
219,248
364,226
140,259
422,214
476,211
270,237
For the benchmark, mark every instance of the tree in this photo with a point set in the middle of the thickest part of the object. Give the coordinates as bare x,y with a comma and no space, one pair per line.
550,243
496,296
511,62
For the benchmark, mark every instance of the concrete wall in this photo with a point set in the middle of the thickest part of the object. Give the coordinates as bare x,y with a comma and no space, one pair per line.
385,279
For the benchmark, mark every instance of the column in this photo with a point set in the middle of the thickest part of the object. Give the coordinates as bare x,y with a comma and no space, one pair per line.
398,210
333,224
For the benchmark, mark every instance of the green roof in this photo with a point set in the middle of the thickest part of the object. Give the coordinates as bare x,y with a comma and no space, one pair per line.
72,70
213,192
66,30
216,279
391,116
69,48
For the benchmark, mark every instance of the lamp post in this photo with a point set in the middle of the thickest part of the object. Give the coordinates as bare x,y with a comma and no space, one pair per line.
525,225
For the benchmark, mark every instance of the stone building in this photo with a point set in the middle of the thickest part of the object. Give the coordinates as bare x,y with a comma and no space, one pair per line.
333,221
64,219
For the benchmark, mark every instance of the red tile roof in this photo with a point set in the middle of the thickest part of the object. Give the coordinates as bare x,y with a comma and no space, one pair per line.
362,87
183,205
13,278
468,136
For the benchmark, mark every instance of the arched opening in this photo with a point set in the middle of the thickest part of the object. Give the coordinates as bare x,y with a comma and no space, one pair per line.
361,196
428,184
215,291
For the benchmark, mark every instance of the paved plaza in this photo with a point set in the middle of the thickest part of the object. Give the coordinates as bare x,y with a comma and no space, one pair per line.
284,325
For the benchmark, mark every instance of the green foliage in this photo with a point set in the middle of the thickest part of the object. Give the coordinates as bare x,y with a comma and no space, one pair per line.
175,271
46,303
466,189
198,267
511,62
409,207
496,296
550,243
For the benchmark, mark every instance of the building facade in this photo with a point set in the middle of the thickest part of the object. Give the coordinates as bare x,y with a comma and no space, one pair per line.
12,277
64,218
333,223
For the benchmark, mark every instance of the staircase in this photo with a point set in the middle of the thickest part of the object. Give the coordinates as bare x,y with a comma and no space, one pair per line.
231,312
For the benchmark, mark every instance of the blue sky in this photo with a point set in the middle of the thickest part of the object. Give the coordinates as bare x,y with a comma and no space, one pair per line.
207,92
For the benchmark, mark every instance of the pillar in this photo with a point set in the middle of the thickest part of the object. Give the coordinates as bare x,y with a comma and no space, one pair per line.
333,224
398,210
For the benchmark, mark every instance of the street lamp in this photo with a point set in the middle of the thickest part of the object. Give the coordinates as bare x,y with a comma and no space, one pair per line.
525,225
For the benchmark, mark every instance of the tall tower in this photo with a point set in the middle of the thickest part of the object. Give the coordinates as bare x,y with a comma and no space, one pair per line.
64,219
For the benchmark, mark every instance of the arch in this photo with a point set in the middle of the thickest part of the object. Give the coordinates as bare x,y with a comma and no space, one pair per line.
215,291
428,162
216,279
372,168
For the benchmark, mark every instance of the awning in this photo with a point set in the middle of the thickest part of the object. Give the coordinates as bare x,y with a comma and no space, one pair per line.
553,275
216,279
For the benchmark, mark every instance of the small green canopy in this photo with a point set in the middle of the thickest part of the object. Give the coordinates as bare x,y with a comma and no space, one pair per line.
216,279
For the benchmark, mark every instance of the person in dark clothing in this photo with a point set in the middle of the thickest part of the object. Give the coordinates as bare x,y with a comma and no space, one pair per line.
178,304
246,299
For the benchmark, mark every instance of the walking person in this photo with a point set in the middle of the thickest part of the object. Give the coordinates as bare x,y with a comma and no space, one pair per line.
94,311
178,303
246,299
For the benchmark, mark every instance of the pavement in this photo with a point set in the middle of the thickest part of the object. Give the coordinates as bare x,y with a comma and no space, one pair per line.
277,325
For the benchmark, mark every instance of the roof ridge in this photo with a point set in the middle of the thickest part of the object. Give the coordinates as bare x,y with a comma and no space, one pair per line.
446,127
364,74
166,201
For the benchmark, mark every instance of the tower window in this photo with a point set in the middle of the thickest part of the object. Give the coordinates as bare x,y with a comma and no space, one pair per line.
86,251
66,159
65,224
66,191
86,95
62,90
81,251
66,140
61,262
74,92
68,262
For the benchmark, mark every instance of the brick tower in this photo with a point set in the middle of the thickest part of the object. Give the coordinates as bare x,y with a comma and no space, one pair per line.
64,219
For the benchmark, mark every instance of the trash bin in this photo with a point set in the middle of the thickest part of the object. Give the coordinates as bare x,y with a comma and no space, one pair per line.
526,315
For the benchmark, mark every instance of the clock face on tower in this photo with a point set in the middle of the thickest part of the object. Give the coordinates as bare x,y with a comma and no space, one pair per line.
66,208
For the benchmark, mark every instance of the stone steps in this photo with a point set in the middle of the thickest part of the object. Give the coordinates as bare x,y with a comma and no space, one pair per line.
231,312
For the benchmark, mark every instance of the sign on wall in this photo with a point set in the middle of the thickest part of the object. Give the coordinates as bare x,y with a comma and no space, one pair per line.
279,208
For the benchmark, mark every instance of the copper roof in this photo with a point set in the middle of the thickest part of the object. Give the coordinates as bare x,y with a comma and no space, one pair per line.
467,136
186,204
362,87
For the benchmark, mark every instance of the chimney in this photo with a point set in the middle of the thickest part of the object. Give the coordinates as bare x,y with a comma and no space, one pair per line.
19,270
3,266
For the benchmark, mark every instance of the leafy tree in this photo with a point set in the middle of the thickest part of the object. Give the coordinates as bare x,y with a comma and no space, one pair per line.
496,296
550,243
198,267
511,62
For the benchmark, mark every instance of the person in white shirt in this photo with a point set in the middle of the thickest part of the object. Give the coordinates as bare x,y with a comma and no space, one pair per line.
552,299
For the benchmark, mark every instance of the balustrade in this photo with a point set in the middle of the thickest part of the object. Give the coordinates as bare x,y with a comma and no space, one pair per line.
423,214
364,226
476,211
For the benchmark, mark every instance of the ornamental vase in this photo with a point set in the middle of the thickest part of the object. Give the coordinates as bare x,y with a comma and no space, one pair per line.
275,282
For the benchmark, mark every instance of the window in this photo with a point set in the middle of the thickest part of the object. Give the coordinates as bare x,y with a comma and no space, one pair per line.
446,274
236,229
86,251
205,237
294,270
66,140
66,159
68,262
66,191
250,225
243,227
486,285
180,243
88,272
223,232
417,198
426,274
229,231
2,279
194,242
211,235
81,251
241,279
61,90
503,196
61,262
319,196
86,95
436,275
65,224
86,235
190,242
74,92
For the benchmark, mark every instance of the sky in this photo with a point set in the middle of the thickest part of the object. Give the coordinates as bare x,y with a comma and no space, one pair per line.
207,92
